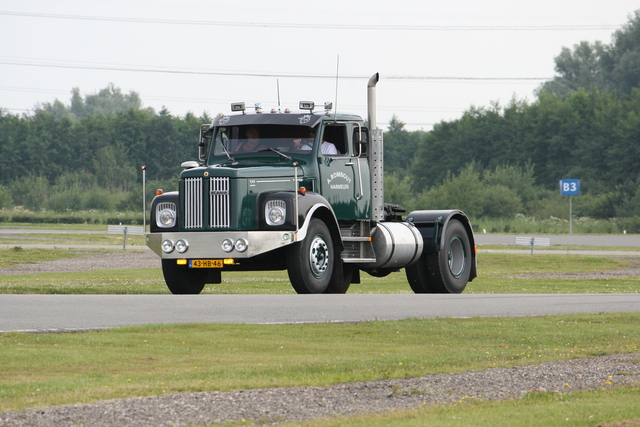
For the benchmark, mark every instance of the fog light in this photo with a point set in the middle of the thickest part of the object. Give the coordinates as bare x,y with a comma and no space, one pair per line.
182,246
227,245
242,245
167,246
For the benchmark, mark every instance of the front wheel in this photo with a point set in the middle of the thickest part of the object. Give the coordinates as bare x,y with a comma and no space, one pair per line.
310,263
446,271
341,278
181,279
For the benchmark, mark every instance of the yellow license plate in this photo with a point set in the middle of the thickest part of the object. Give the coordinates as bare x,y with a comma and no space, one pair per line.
205,263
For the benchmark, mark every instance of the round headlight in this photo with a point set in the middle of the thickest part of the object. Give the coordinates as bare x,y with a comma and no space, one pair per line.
242,245
275,212
167,246
227,245
182,246
166,218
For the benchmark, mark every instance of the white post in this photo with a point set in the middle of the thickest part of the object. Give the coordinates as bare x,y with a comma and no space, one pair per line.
144,199
570,215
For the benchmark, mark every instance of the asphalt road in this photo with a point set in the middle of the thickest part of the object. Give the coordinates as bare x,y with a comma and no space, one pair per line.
48,313
629,240
87,312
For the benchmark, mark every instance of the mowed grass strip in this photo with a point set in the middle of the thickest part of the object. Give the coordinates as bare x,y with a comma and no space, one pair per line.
603,408
498,273
46,369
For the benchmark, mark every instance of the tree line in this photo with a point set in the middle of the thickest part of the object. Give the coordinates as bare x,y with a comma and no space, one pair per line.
504,160
592,136
494,161
88,155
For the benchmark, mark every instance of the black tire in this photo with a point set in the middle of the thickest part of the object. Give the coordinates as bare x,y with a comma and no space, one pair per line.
310,263
182,280
381,272
341,278
418,276
446,271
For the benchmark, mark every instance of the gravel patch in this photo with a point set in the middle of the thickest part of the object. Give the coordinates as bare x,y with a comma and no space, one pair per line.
276,405
91,262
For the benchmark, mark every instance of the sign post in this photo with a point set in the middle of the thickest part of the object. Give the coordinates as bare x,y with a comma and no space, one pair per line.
570,187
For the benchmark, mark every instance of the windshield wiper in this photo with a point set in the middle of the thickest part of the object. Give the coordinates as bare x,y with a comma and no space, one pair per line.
225,141
277,152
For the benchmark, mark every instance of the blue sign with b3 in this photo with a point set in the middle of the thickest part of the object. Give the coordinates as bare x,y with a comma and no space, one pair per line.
570,187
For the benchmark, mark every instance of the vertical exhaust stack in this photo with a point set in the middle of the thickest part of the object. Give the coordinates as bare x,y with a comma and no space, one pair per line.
375,154
371,100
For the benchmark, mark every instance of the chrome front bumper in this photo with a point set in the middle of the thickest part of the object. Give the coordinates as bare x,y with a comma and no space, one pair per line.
209,244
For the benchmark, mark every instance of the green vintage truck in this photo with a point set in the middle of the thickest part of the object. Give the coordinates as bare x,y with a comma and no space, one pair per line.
301,191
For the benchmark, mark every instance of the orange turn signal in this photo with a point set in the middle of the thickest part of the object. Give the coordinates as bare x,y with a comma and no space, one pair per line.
302,190
159,191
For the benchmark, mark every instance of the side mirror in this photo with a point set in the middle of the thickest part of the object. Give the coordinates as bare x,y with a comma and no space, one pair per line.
206,133
202,151
361,141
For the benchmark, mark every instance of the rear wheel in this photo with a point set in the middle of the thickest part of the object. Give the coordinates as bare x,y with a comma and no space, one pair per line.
446,271
181,279
310,263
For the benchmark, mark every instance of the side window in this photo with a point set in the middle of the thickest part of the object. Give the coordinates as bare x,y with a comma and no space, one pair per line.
360,141
333,141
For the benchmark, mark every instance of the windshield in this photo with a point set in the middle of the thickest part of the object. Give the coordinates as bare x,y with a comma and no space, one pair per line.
260,138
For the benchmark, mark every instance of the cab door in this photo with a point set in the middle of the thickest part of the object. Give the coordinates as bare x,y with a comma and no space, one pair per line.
340,177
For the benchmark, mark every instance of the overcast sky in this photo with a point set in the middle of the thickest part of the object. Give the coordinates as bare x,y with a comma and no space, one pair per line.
436,58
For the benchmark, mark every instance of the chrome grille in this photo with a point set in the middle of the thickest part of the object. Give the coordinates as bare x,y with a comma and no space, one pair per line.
220,213
193,205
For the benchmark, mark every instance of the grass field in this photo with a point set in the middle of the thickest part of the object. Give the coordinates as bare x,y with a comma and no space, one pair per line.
498,273
45,369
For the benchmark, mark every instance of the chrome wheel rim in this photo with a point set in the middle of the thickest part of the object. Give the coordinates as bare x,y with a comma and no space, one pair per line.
318,256
457,257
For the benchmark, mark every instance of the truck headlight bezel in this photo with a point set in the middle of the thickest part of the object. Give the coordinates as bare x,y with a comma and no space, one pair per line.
275,212
166,215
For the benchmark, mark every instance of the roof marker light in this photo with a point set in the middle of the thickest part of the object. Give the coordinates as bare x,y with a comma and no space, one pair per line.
307,105
238,106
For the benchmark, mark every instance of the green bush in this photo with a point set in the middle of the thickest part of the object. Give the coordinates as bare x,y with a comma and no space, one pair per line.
499,201
64,201
30,192
6,201
631,225
102,199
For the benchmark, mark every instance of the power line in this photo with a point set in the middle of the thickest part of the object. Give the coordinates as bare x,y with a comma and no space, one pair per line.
40,63
402,27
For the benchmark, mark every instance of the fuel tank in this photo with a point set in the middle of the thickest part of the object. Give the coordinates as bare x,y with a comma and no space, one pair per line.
396,245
